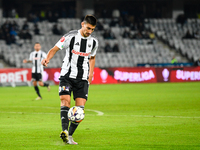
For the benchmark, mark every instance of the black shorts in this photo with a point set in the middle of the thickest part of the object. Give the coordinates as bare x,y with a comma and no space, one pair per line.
78,86
36,77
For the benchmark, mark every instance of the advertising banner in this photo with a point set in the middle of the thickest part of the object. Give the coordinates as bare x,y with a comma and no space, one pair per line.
51,74
124,75
178,74
185,74
15,75
110,75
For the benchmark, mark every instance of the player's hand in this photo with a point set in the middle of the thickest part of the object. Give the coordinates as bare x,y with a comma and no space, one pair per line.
45,62
90,79
24,61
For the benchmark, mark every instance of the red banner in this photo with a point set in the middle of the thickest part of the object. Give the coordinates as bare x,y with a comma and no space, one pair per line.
178,74
112,75
185,74
124,75
51,74
15,75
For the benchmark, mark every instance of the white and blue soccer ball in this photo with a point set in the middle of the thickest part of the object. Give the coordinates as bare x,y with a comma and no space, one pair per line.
76,114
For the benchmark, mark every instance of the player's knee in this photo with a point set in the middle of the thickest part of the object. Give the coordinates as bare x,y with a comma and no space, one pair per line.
65,100
41,83
34,83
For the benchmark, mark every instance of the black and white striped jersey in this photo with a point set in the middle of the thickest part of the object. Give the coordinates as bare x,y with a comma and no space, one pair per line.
78,51
36,57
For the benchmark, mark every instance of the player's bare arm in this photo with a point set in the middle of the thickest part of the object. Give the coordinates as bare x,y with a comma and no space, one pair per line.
27,61
50,55
92,64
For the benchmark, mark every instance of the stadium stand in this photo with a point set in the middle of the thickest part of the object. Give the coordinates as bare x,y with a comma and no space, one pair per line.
176,35
132,51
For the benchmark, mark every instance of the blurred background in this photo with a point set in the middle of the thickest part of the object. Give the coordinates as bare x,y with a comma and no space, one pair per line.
131,33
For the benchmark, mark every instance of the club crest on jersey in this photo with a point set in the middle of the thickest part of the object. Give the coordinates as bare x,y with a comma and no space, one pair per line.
77,43
62,39
80,53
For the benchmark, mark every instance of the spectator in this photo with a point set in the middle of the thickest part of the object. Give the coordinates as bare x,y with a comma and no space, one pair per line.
108,34
42,15
15,26
13,13
126,33
27,35
197,62
152,37
55,17
62,31
8,39
181,19
188,35
99,26
126,20
50,16
25,26
114,22
140,27
115,48
55,30
1,35
146,35
107,48
121,22
138,35
131,23
33,17
116,13
174,60
36,30
13,32
197,35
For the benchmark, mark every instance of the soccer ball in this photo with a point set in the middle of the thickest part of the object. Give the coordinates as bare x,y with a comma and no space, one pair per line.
76,114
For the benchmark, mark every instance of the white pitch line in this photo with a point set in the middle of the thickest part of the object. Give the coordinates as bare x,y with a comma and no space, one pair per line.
99,113
29,113
149,116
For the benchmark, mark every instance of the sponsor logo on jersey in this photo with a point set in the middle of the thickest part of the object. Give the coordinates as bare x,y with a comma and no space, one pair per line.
62,39
80,53
89,45
36,58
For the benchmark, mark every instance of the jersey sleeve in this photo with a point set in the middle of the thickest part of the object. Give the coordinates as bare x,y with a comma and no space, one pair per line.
63,43
94,50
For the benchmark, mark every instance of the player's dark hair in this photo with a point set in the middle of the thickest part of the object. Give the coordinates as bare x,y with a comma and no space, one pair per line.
90,19
37,42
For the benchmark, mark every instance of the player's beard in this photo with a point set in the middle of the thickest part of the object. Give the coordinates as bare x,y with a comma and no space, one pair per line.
86,34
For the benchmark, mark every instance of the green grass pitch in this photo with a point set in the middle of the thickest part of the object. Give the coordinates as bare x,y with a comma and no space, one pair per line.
118,116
